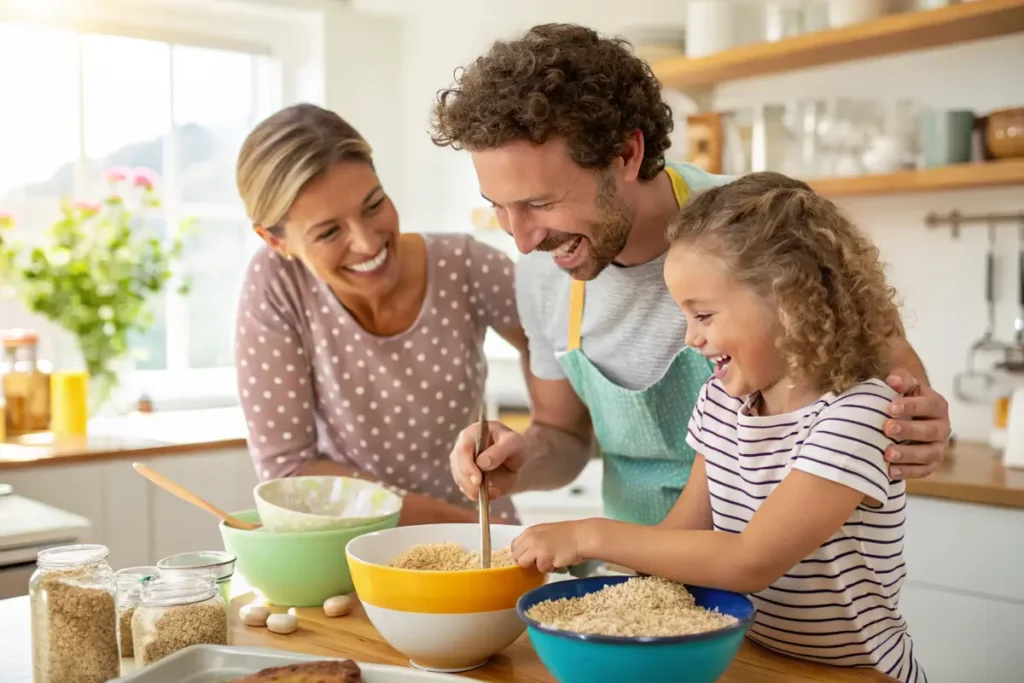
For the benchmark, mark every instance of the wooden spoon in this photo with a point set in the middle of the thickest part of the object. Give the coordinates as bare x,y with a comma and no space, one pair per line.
189,497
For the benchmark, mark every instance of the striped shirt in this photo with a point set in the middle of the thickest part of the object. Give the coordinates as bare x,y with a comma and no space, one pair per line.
839,605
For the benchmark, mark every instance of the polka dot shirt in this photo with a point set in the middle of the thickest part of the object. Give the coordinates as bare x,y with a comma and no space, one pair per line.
314,384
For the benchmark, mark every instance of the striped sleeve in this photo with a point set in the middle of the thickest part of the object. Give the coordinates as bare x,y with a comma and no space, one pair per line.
694,432
846,444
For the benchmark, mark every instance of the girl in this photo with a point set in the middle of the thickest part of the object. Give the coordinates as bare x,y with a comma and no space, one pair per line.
789,497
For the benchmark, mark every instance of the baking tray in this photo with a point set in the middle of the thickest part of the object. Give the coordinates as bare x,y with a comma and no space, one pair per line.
224,663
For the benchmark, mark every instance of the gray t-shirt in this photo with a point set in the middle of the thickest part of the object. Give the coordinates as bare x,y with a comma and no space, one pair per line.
632,328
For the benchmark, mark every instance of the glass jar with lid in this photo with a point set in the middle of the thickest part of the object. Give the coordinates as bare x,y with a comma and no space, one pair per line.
74,616
129,589
26,383
176,612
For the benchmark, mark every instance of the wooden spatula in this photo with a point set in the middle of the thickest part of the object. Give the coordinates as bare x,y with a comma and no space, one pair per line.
189,497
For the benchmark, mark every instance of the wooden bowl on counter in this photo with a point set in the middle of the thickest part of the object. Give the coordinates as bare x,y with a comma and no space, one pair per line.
1004,133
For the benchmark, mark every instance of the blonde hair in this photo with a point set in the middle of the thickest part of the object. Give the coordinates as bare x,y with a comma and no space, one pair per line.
286,151
797,249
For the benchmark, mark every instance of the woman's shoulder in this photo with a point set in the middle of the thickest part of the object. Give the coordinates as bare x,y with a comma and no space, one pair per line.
270,275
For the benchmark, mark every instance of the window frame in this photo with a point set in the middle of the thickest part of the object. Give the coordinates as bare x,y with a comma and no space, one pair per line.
291,32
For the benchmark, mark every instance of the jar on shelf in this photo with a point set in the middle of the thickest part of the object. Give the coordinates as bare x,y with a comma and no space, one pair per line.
74,616
129,589
26,383
176,612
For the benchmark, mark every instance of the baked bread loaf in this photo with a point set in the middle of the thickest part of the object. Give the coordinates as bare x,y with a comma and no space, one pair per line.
308,672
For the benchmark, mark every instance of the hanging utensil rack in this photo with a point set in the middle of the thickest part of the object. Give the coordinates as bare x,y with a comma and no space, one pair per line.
956,220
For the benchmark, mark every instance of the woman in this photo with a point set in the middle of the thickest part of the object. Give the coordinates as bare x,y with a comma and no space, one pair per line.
359,350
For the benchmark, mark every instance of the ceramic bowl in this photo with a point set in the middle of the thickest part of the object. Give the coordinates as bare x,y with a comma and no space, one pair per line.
313,503
445,621
295,568
583,658
1004,133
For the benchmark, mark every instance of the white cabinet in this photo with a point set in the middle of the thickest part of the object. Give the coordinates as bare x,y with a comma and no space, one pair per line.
960,637
138,521
223,478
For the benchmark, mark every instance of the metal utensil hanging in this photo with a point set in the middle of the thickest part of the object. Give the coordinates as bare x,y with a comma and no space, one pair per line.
974,385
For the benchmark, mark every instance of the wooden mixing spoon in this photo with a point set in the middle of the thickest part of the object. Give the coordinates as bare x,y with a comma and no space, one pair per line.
189,497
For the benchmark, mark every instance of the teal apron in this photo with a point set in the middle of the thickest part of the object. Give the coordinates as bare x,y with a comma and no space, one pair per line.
641,434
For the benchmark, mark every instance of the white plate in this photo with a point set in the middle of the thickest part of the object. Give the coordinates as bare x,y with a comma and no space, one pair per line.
221,664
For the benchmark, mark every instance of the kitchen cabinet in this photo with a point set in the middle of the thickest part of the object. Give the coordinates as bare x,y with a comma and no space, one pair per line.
139,522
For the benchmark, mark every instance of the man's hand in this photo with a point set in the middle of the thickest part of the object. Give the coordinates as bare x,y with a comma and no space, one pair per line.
920,417
502,459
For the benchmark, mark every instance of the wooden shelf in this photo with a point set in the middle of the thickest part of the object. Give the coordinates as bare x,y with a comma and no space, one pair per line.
904,32
959,177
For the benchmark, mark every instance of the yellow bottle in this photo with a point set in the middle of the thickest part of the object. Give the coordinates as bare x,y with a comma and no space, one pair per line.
69,402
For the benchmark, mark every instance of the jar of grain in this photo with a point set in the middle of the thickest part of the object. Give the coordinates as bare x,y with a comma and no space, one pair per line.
73,616
129,589
175,612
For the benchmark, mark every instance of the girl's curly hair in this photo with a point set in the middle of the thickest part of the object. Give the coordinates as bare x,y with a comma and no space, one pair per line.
797,249
557,81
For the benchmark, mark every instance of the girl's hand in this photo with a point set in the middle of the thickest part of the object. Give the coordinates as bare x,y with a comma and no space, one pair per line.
551,546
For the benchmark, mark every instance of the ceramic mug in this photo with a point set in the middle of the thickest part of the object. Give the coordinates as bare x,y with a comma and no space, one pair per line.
947,137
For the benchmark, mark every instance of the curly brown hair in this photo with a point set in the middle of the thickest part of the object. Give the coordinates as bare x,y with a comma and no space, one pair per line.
797,249
557,81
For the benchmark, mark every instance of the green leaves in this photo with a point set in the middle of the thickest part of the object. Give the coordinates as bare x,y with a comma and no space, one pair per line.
97,272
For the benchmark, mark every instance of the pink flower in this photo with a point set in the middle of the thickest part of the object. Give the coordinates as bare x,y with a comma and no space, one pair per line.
88,208
117,174
144,178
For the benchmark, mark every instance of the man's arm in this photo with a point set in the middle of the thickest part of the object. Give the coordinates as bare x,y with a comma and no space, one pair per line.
559,440
904,356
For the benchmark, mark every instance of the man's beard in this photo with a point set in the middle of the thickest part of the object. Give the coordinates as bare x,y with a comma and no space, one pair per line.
610,232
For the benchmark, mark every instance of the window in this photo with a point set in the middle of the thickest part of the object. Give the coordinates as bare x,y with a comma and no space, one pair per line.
81,101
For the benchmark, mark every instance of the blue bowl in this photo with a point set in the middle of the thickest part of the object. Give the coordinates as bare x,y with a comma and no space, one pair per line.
584,658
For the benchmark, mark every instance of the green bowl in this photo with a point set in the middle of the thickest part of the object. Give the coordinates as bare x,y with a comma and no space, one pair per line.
295,568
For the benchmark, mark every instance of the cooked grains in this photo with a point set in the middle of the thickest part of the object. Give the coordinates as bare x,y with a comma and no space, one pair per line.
448,557
124,629
640,607
74,631
161,631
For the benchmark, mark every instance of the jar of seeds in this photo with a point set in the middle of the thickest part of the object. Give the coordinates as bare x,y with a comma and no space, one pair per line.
175,612
129,589
74,616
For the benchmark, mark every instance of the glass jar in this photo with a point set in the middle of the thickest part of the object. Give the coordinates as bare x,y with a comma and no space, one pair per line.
74,616
26,383
175,612
129,589
214,563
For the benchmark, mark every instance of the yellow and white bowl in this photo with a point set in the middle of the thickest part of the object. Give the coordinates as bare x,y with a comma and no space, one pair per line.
445,621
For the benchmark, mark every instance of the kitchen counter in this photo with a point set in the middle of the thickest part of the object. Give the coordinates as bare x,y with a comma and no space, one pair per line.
354,637
163,433
973,473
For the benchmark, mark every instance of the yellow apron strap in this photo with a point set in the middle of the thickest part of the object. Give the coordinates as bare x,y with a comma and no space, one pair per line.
681,191
679,187
575,313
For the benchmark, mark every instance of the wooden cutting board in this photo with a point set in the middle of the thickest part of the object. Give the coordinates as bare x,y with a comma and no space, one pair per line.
353,637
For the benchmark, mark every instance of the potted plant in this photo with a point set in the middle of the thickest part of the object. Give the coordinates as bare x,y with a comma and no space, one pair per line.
97,272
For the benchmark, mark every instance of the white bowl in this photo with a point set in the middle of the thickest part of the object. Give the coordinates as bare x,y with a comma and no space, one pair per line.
316,503
444,621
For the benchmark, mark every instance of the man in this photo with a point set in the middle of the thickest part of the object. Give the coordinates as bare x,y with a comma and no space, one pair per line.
568,133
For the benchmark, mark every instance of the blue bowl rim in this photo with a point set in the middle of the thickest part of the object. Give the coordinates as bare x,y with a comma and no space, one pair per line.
741,625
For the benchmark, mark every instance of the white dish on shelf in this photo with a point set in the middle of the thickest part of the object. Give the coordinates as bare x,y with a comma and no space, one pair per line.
223,664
